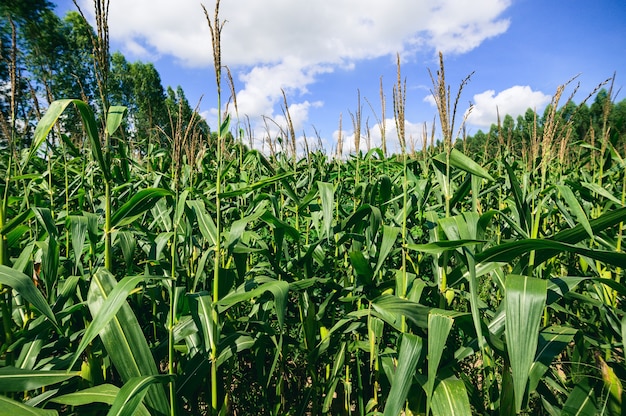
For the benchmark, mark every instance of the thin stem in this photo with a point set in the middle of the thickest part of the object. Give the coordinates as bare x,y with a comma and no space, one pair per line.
108,258
215,28
172,312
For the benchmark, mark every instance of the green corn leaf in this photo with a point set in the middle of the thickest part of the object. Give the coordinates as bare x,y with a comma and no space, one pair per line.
18,379
438,247
115,116
67,290
524,302
224,126
327,196
115,299
575,207
123,339
521,203
44,216
25,286
103,393
389,308
375,328
16,221
238,227
460,161
141,202
361,265
44,126
162,214
578,233
232,344
50,118
206,224
552,341
466,227
49,248
278,288
89,121
127,242
201,306
390,234
71,148
623,334
356,218
29,353
438,330
410,351
450,398
276,223
132,393
78,232
180,207
256,185
594,187
546,249
338,361
14,408
581,401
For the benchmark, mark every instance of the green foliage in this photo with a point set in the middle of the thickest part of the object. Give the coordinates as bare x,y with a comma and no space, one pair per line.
433,283
512,304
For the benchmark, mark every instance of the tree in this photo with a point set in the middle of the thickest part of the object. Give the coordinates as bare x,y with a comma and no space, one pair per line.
600,109
77,78
581,121
617,120
138,87
20,22
151,109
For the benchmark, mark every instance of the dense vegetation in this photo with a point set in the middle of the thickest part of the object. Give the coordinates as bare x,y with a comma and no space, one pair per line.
581,123
147,267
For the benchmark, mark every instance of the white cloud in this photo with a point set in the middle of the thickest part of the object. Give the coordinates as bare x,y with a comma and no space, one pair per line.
317,32
413,132
263,84
274,44
460,26
513,101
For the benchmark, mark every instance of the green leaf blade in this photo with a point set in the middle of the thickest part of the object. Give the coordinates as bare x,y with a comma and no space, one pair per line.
17,379
524,301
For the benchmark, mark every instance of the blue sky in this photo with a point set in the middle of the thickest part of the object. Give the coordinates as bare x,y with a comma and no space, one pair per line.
322,52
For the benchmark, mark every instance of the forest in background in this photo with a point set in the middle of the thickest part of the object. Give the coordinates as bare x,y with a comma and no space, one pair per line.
48,57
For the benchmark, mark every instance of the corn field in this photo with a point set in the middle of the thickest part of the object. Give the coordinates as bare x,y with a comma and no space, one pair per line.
210,278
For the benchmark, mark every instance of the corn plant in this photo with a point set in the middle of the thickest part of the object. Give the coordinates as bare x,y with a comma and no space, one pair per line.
431,283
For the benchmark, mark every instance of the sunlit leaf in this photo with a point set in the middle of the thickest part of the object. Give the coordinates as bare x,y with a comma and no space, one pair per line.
408,357
137,205
524,302
450,398
25,286
15,408
103,393
17,379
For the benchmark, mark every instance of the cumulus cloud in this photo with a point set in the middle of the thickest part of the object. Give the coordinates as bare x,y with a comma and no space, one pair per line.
513,101
460,26
274,44
318,32
414,136
262,84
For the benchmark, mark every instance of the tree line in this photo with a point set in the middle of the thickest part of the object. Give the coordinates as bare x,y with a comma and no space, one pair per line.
44,57
571,124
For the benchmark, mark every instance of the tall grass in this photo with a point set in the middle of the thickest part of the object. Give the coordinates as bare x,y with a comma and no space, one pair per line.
431,283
